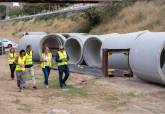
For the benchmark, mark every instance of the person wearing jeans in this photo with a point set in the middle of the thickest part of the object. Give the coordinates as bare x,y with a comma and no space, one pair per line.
11,59
46,72
62,61
46,65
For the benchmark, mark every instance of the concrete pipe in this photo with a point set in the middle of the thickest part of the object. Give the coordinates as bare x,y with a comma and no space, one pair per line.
92,48
147,57
39,41
67,35
120,41
34,33
60,38
74,47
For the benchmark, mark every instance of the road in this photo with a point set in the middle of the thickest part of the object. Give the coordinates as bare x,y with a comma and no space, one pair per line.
64,10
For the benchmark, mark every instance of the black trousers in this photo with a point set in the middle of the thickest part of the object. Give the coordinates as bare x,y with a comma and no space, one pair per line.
63,69
12,70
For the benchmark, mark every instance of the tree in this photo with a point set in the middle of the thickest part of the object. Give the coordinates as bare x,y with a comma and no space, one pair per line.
14,12
2,11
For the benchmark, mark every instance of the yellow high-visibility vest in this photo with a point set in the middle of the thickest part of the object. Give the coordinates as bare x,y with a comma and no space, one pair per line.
21,64
62,55
43,63
29,58
11,58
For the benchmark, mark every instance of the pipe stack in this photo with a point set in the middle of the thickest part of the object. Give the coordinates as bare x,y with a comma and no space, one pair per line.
74,46
147,52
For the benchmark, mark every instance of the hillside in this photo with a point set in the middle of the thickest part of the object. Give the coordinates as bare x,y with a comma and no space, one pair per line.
140,16
15,29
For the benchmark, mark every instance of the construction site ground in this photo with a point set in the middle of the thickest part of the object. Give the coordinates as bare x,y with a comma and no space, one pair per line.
85,94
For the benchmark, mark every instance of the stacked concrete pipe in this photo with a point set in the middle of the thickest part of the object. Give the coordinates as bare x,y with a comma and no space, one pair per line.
74,47
34,33
147,50
67,35
120,41
147,57
92,49
38,42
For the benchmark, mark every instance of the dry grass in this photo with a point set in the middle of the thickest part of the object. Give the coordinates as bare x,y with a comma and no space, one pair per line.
140,16
15,29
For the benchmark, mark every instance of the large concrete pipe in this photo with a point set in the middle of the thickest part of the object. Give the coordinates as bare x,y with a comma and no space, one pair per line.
35,41
59,38
92,48
74,47
39,41
67,35
34,33
147,57
121,41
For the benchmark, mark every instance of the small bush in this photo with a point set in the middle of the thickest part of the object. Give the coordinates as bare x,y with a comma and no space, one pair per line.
2,12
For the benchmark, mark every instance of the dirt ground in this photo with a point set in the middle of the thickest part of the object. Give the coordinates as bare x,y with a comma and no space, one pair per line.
84,95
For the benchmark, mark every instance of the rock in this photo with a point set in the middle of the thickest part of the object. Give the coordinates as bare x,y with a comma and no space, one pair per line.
58,111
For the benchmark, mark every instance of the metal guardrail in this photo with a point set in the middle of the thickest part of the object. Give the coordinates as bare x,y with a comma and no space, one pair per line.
65,10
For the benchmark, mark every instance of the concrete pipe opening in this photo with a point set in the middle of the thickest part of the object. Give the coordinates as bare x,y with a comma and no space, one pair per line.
52,42
92,52
147,57
74,50
162,58
38,42
92,49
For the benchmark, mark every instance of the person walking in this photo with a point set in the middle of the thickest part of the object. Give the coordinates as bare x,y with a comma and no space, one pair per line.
20,70
11,59
46,64
62,62
29,64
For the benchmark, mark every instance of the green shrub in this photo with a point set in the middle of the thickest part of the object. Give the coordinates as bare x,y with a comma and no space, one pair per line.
14,12
2,12
99,15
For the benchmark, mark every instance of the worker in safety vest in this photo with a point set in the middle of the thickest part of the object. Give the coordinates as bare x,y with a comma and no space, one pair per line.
20,70
29,64
62,62
46,64
11,60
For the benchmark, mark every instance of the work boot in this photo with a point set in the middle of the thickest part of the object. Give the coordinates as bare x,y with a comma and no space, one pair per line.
46,86
61,86
20,90
64,84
